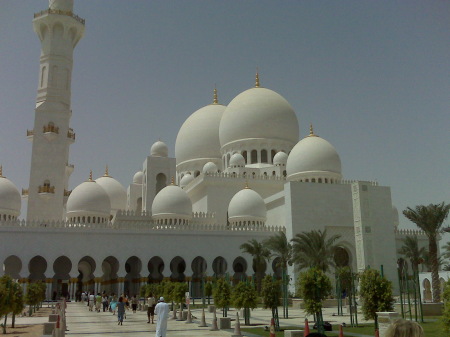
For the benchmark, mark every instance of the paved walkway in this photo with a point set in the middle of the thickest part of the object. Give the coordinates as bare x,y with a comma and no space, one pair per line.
82,322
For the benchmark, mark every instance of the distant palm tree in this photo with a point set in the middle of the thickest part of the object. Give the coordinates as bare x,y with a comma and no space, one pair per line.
280,249
427,261
446,250
260,255
314,249
430,219
412,252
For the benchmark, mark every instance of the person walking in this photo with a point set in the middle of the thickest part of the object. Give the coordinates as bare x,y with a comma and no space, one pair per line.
162,311
98,302
105,302
134,303
120,311
91,301
151,302
113,304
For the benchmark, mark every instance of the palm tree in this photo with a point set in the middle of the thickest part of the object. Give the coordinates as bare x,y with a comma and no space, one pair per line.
280,249
314,249
260,255
412,252
446,249
430,219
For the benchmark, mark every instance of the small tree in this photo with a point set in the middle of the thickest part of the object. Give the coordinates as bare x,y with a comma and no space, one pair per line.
376,294
222,295
6,298
33,296
271,295
179,292
313,286
446,314
208,291
244,295
17,301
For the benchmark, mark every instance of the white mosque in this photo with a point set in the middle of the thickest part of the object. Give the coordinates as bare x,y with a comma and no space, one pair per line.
240,172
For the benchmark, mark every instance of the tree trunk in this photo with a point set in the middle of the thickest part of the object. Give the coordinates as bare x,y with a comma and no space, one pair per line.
435,285
4,324
13,320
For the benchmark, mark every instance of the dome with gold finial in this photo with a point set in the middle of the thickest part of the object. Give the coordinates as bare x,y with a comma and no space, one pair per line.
247,207
172,203
198,138
116,192
10,200
314,159
88,203
259,114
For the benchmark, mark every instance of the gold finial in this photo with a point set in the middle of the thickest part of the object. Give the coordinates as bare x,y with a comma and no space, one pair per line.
106,172
215,100
311,131
173,181
257,79
246,185
90,176
1,171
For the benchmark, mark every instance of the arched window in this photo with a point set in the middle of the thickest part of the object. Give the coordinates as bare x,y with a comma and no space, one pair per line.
320,180
326,180
244,154
228,159
272,154
196,173
313,180
43,74
161,182
254,157
264,156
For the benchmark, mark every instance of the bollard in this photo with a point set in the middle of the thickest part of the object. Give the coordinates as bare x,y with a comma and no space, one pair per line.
341,331
306,331
203,321
214,326
189,316
237,327
272,328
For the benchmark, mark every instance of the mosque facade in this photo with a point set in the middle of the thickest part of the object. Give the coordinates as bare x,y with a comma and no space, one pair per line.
240,172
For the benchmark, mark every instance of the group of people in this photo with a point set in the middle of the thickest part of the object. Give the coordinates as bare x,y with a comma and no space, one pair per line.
399,328
121,304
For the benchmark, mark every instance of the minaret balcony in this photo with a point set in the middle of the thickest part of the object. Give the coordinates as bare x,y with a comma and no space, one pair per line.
30,134
24,193
67,193
69,169
60,12
50,132
71,135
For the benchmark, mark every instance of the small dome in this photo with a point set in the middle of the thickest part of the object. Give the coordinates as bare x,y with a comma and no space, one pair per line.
172,203
198,137
313,155
88,198
258,113
210,167
159,149
280,159
116,192
187,178
138,178
247,205
10,200
237,160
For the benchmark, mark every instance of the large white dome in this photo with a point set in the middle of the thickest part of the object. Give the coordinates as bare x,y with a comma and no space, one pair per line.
116,192
247,205
313,156
198,137
172,203
258,113
10,200
88,199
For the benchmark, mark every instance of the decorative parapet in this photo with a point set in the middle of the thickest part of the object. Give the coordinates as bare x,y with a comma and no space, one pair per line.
346,181
24,192
405,232
30,133
243,176
59,12
144,226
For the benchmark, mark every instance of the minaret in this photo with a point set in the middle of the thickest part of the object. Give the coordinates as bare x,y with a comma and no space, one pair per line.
59,31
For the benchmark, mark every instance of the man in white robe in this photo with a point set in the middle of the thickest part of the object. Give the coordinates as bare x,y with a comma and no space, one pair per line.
162,314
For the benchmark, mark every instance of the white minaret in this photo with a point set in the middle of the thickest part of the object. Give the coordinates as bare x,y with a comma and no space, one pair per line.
59,31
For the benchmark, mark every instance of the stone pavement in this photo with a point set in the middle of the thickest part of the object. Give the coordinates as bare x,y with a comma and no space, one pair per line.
82,322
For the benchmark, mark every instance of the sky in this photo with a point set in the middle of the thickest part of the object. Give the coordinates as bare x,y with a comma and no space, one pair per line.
373,77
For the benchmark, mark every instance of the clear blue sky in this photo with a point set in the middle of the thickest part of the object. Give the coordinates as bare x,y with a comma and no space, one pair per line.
372,76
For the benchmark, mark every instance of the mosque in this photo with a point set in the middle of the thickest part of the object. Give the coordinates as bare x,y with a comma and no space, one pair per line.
240,172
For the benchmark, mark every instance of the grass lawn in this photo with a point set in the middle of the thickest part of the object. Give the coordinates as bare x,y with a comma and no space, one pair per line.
432,328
